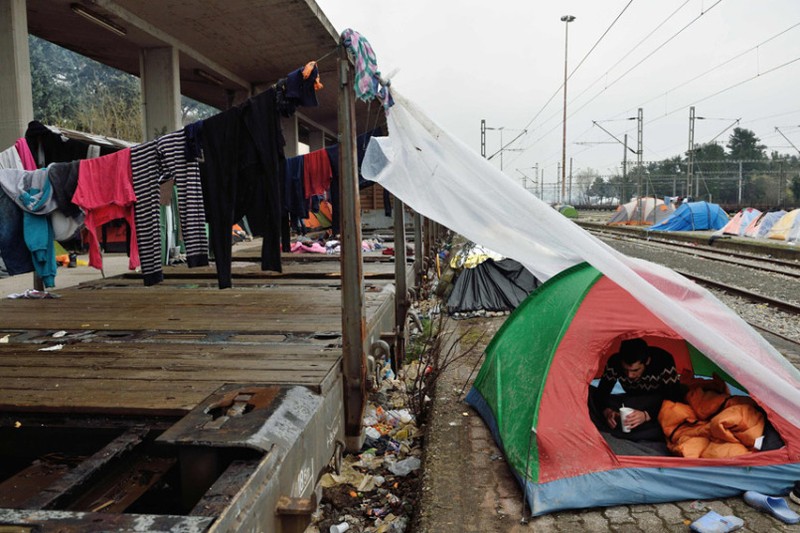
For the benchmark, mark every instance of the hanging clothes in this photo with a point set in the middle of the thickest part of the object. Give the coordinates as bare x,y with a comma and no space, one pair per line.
173,164
9,158
262,121
317,173
333,155
33,194
48,146
15,254
105,192
145,180
295,204
243,152
367,76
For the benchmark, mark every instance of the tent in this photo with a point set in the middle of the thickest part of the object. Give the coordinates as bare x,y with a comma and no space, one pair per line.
694,216
787,228
760,226
491,286
568,211
533,388
646,211
738,224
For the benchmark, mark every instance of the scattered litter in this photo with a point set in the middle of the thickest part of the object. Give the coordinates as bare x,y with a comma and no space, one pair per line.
4,338
32,294
53,348
405,467
17,424
59,334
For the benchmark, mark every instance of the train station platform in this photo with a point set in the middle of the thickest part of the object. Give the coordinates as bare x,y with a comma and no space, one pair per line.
178,405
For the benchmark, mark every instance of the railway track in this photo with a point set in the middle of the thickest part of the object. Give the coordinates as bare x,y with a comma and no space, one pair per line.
763,263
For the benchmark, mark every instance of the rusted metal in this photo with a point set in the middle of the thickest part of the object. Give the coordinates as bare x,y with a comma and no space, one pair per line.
295,513
79,476
353,316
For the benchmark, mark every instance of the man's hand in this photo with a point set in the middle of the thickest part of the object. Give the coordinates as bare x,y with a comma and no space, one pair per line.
636,419
611,417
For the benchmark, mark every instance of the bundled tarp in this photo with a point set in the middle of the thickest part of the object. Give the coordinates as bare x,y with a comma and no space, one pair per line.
641,211
694,216
759,227
491,286
787,228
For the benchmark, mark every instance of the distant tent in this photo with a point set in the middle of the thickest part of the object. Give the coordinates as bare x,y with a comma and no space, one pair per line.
738,224
787,228
694,216
653,211
760,226
568,211
491,286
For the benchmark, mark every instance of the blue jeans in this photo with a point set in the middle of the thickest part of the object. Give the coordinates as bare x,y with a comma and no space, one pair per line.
15,253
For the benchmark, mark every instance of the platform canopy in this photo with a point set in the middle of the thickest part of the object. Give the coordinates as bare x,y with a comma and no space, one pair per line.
226,47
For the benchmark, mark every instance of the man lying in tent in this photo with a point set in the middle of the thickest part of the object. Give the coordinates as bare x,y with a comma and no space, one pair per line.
648,376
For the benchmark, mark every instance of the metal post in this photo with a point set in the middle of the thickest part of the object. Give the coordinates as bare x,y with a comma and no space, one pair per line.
624,170
417,248
639,151
353,314
559,175
569,197
739,198
401,293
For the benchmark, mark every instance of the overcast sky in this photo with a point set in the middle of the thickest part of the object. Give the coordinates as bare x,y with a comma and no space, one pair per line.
502,60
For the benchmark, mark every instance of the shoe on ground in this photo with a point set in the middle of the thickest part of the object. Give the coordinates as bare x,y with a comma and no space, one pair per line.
712,522
776,507
794,495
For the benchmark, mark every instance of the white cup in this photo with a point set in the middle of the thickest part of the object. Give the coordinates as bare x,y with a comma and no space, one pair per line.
340,528
623,413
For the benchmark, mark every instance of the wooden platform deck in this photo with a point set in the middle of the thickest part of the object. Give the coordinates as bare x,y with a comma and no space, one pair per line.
130,349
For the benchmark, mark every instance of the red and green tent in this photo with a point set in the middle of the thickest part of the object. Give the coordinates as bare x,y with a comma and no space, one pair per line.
533,390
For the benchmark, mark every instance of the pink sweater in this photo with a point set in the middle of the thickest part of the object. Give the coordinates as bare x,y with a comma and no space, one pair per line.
105,193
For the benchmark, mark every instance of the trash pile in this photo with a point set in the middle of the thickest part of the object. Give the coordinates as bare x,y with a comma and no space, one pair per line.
377,489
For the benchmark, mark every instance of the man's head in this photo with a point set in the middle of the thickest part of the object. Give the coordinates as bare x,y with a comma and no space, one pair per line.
635,358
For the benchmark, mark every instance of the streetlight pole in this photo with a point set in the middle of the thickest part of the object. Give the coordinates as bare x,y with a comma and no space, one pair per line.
566,19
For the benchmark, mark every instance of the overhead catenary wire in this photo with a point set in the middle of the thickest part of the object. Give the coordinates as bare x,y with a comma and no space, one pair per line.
585,57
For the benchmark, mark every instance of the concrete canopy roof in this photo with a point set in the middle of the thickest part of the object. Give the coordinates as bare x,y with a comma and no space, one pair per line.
225,47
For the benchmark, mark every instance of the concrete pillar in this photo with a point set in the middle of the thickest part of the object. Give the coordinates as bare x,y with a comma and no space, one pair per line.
161,91
290,133
316,140
16,100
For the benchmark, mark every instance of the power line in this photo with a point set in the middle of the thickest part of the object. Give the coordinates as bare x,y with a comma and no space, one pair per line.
525,129
645,58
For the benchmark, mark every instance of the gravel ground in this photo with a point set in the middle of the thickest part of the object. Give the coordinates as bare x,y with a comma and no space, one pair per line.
773,285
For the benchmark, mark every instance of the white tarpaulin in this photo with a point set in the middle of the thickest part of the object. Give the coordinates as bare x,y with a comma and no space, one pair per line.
444,180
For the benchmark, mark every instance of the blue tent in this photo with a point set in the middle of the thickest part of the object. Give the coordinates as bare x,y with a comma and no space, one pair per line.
693,216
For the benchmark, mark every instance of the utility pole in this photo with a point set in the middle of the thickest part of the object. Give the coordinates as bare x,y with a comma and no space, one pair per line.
569,198
690,154
559,175
624,170
566,19
740,184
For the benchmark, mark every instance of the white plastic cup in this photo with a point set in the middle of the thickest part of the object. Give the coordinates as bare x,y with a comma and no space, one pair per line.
340,528
623,413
